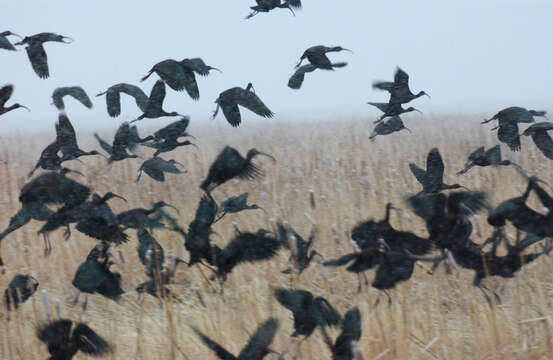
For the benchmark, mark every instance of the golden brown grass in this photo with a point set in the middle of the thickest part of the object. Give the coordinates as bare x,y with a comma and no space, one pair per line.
432,317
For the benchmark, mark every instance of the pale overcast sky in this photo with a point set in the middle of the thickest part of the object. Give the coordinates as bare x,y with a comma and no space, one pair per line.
470,56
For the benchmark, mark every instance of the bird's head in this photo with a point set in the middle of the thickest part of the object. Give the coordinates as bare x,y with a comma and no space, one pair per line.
254,152
250,87
110,195
339,48
61,38
173,162
162,204
422,93
8,33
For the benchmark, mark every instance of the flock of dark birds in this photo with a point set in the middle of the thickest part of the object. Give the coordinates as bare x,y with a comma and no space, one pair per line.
59,201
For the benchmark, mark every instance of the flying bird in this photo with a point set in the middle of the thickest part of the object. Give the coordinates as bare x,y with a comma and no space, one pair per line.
6,92
229,100
236,204
5,43
76,92
391,109
37,54
166,139
230,164
156,168
67,140
113,97
490,157
125,138
432,179
268,5
543,141
317,57
155,103
399,88
386,128
296,80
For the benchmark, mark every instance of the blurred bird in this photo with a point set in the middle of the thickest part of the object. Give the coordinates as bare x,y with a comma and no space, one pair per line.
316,55
432,179
257,347
343,348
155,103
236,204
490,157
301,256
385,128
156,168
391,109
19,290
65,338
37,54
76,92
268,5
166,139
5,43
125,138
296,80
543,141
113,97
6,92
399,88
229,100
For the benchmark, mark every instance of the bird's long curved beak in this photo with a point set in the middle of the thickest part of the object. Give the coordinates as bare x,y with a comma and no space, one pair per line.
120,197
420,112
268,155
67,37
102,93
487,121
214,68
76,172
19,43
172,207
427,95
26,108
292,11
406,128
176,162
351,51
188,135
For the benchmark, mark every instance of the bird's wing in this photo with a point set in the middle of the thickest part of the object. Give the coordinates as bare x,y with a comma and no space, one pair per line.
296,80
157,95
6,44
65,133
113,102
296,4
351,329
89,276
494,154
383,85
427,206
467,202
39,60
89,342
508,134
293,299
476,153
139,96
418,172
54,332
401,77
173,130
205,213
251,101
434,170
198,66
173,74
544,142
325,313
261,339
231,112
169,167
247,247
104,145
381,106
191,85
76,92
216,348
122,136
5,94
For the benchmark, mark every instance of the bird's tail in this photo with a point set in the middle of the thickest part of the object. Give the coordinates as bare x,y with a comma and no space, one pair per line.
339,64
147,75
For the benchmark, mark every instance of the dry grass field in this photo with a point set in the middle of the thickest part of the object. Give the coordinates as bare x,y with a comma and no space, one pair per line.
431,317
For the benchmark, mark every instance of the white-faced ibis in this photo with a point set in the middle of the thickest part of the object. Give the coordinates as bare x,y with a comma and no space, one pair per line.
75,92
235,204
6,92
113,97
301,255
140,218
94,275
67,140
388,127
309,312
37,54
432,179
490,157
391,109
317,56
543,141
19,290
155,103
399,88
5,43
197,240
65,338
229,100
264,6
167,138
125,138
156,168
230,164
256,349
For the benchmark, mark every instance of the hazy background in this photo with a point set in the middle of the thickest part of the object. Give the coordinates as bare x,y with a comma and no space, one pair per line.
470,56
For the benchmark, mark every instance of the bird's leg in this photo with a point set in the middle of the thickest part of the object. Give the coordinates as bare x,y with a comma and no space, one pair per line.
47,245
220,217
252,14
215,112
467,168
67,233
76,299
389,297
85,303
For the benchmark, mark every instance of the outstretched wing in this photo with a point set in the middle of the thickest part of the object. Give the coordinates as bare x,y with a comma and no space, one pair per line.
113,102
6,92
296,4
6,44
205,214
191,85
216,348
434,171
508,134
157,95
65,133
401,77
231,112
251,101
383,85
172,73
381,106
296,80
89,342
261,339
139,96
544,143
477,154
418,172
39,60
104,145
293,299
55,332
173,130
76,92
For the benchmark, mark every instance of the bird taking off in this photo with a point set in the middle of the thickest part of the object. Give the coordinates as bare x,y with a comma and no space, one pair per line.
5,43
76,92
113,97
156,168
432,179
543,141
317,57
155,102
268,5
399,88
386,128
37,54
391,109
490,157
6,92
229,100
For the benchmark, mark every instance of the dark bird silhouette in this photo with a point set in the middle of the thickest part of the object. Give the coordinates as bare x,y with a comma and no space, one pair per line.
67,140
490,157
125,138
94,275
264,6
179,75
399,88
167,138
543,141
150,252
432,179
256,349
65,338
229,100
230,164
113,97
301,255
76,92
5,43
236,204
309,312
391,109
155,102
245,247
386,128
509,119
316,55
6,92
19,290
49,158
37,54
296,80
140,218
156,168
345,345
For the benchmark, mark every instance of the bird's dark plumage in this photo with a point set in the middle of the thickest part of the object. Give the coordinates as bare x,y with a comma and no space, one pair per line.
19,290
229,100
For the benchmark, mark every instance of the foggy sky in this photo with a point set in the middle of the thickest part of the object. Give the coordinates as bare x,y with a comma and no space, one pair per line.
470,56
